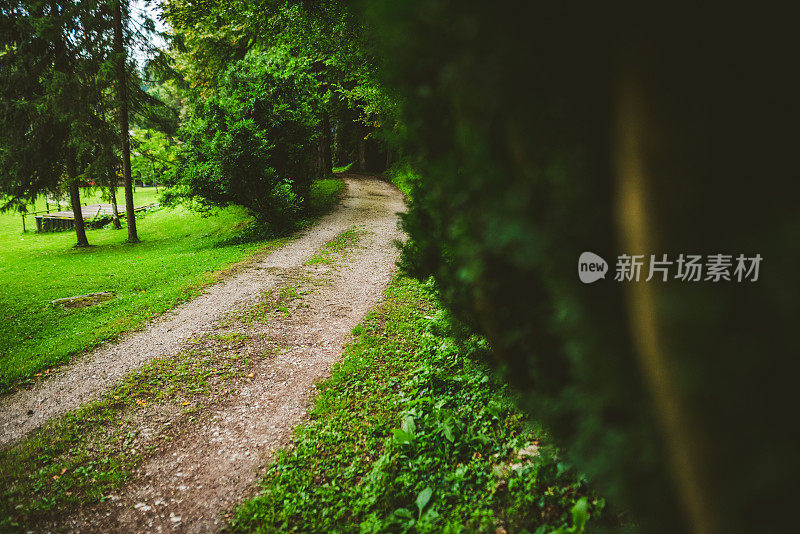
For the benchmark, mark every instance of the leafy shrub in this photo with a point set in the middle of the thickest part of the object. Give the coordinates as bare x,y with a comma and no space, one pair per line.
251,142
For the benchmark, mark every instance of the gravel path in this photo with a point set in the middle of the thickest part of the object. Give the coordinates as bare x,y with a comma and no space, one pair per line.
214,462
268,411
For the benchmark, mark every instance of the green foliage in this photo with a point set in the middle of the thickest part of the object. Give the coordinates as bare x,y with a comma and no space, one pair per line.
251,142
523,123
352,105
410,434
152,154
403,176
343,168
53,101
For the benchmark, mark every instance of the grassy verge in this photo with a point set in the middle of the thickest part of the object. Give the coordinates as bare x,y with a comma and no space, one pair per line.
410,434
180,252
403,176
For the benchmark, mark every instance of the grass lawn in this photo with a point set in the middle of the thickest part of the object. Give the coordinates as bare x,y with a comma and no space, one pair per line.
179,254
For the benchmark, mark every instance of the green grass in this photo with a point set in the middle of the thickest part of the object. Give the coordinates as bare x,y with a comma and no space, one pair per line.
328,254
180,252
344,168
324,195
403,176
410,434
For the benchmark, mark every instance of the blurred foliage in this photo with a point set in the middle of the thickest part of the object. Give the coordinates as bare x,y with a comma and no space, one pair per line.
511,115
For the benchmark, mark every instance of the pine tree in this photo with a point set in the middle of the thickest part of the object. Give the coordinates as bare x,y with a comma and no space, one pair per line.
123,102
52,101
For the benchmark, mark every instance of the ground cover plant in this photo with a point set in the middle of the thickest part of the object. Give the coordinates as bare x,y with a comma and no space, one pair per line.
411,434
180,253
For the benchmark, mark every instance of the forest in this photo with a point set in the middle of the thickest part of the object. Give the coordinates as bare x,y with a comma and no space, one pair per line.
493,387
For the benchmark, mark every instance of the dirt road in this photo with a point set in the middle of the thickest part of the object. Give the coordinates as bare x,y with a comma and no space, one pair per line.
213,461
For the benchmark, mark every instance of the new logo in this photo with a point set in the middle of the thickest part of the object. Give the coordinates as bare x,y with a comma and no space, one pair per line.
591,267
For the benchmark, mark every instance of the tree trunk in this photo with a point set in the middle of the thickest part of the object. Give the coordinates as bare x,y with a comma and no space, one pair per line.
75,200
325,142
122,94
362,150
336,141
115,211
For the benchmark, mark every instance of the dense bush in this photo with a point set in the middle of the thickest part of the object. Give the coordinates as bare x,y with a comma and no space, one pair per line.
252,142
513,118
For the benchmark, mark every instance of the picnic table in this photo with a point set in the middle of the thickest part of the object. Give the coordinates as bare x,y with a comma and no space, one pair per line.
93,214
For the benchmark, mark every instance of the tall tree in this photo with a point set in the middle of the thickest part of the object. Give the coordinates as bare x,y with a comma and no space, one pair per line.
52,101
122,96
323,35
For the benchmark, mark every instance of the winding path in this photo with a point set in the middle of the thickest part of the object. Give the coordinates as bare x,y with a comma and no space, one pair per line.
213,464
369,202
205,471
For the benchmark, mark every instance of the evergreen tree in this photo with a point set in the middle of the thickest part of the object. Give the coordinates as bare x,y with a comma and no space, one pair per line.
53,101
122,96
